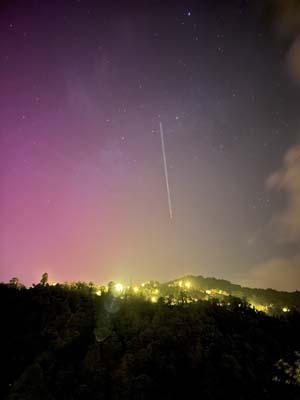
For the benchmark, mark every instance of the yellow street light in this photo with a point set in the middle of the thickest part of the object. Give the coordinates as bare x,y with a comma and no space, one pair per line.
119,287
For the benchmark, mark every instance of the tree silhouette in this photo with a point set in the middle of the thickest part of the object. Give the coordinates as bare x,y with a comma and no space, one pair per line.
44,279
15,282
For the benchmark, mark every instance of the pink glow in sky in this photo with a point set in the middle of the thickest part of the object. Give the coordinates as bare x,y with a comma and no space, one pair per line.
82,189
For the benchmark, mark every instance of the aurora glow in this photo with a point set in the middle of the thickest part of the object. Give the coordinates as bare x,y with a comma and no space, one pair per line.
83,88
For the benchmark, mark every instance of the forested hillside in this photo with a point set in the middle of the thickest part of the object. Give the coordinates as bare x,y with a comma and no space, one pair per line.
67,342
268,300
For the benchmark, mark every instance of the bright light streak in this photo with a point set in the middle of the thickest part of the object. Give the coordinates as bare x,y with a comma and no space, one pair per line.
166,170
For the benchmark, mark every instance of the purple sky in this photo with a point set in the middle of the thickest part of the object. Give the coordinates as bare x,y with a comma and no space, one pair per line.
82,192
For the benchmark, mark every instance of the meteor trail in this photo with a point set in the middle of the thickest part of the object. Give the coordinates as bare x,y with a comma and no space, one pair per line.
166,169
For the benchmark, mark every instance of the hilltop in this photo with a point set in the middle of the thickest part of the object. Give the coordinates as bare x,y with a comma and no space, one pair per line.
188,289
268,300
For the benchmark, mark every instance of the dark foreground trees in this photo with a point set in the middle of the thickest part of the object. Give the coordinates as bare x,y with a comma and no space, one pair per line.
60,342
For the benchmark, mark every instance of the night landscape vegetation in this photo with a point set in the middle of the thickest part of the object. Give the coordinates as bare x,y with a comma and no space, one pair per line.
168,341
150,199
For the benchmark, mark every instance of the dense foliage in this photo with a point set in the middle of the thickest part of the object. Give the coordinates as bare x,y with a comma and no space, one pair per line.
65,342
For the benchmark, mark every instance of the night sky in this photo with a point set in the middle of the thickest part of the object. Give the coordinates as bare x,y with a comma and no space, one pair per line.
83,87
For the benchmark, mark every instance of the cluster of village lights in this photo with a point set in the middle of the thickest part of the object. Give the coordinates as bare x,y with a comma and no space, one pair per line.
119,289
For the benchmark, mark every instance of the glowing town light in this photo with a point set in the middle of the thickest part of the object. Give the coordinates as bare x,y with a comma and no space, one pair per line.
153,299
156,291
119,287
135,289
187,284
285,309
180,283
98,293
208,291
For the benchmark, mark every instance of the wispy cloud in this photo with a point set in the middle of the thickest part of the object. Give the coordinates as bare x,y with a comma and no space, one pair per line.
286,21
276,273
283,272
287,179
